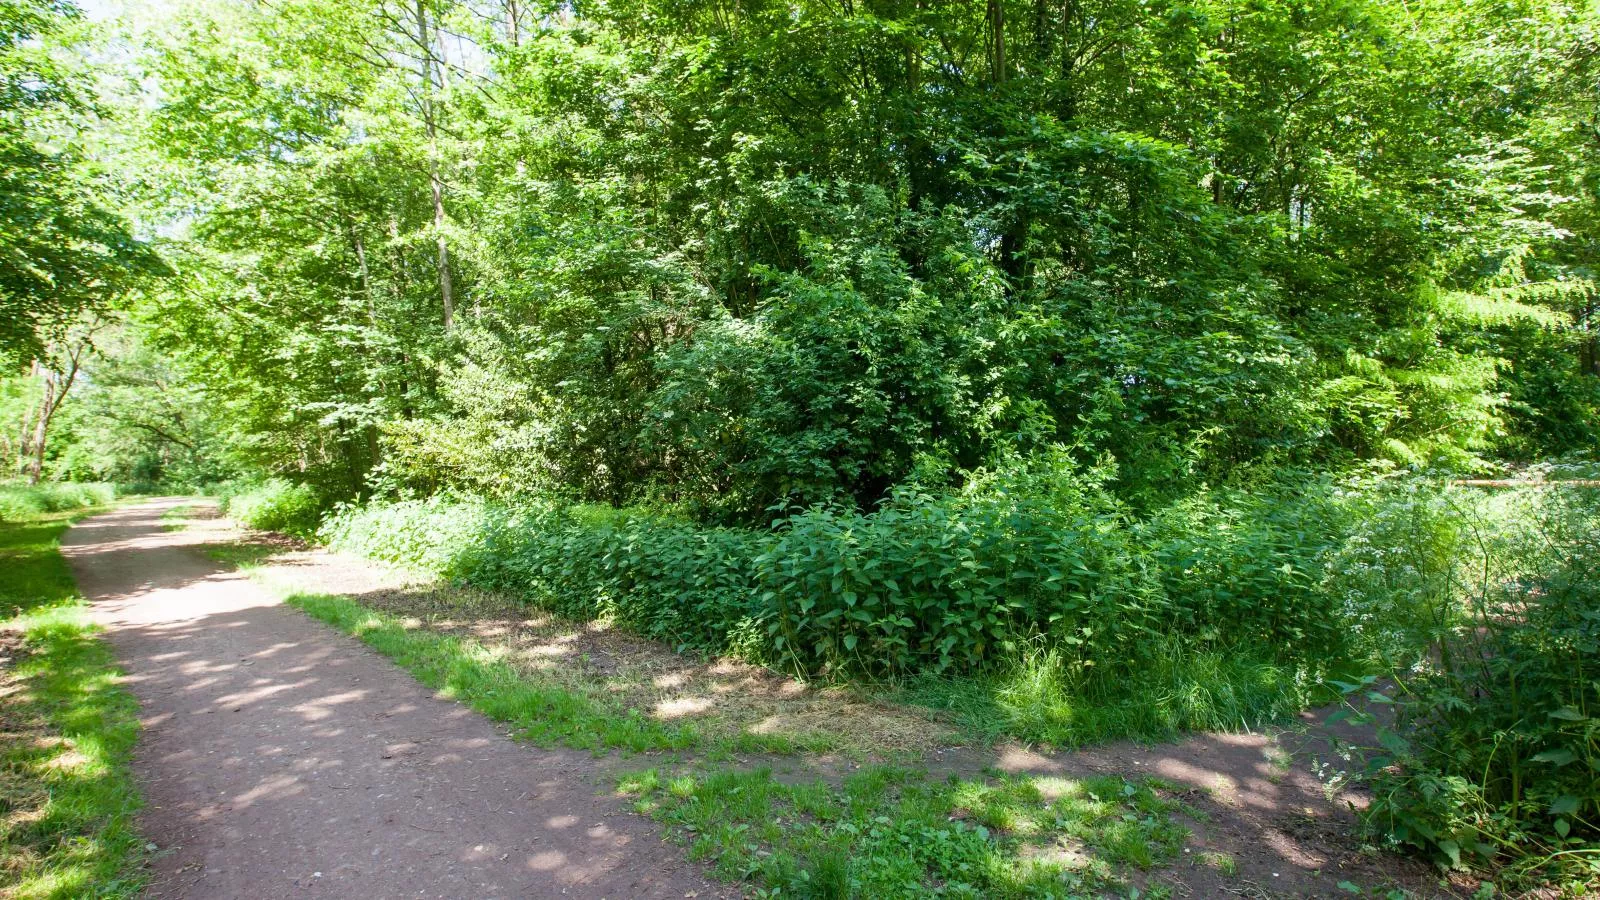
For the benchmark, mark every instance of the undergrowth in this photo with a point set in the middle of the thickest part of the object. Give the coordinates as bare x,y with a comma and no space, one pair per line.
273,505
21,502
1033,601
1035,699
1494,757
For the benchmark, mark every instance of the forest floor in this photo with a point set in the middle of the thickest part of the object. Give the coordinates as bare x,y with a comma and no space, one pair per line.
279,756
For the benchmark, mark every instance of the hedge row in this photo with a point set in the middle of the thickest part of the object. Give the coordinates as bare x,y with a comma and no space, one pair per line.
938,582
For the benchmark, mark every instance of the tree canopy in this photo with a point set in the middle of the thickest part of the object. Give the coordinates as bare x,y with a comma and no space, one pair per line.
757,256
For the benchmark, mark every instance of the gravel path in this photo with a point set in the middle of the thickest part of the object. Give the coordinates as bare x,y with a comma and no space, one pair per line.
281,759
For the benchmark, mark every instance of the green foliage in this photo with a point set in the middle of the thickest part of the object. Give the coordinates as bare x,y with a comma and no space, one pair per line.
965,581
1492,756
64,247
274,505
137,420
795,255
19,502
1039,695
68,792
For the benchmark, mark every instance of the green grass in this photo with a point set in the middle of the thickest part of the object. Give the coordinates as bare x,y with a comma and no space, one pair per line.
242,556
67,797
889,832
176,518
1036,700
464,670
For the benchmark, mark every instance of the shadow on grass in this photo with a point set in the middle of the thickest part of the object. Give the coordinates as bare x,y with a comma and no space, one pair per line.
67,797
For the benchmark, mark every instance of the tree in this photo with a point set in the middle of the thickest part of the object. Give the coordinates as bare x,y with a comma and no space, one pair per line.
63,248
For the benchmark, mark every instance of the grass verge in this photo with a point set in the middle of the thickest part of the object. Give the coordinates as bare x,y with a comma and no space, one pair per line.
67,730
1183,692
891,832
482,678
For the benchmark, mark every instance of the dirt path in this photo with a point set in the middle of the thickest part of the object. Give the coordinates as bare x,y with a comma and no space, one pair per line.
280,759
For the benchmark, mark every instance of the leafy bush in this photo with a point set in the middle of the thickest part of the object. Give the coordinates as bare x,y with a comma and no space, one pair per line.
20,501
435,535
274,505
1496,748
932,582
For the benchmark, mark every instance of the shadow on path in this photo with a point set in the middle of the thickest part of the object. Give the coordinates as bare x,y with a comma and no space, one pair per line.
280,759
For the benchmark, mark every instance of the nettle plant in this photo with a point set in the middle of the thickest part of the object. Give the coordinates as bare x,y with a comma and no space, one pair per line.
1494,751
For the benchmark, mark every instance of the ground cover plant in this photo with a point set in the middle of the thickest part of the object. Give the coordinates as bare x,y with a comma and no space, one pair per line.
1492,755
24,502
1086,620
273,505
67,798
888,832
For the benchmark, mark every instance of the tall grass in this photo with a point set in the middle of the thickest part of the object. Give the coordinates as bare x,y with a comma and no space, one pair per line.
1038,696
20,502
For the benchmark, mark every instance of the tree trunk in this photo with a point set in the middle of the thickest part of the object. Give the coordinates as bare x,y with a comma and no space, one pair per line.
41,428
25,431
997,41
436,182
366,273
56,385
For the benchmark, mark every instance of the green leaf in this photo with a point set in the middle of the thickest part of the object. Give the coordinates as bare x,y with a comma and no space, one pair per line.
1564,805
1558,757
1393,742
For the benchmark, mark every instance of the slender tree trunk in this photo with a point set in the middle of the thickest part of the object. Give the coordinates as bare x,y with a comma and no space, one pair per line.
55,388
25,429
1013,241
1590,348
366,274
41,428
997,41
436,182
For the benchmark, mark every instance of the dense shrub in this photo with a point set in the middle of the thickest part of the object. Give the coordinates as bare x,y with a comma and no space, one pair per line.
274,505
931,582
1086,620
19,501
1496,750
